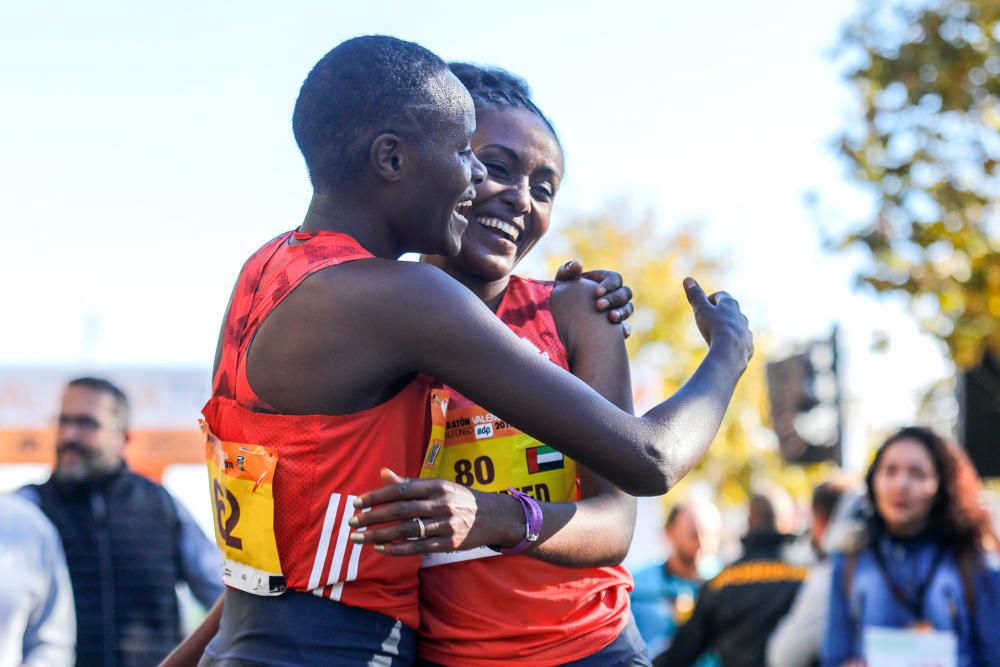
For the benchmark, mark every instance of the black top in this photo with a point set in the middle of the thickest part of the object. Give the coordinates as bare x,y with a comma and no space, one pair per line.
121,538
737,610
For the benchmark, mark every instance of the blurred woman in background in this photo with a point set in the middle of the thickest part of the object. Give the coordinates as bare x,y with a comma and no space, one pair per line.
922,566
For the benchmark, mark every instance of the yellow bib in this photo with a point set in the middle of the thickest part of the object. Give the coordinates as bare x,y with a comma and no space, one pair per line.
476,449
240,482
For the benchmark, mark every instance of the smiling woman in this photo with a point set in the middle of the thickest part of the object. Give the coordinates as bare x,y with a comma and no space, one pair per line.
570,588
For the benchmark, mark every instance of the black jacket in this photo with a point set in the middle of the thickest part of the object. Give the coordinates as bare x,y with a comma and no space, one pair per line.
737,610
121,540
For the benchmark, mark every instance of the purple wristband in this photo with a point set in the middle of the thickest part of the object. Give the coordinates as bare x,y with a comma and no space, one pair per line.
532,522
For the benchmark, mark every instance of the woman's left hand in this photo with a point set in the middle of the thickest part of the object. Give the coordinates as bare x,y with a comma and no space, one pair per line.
454,517
612,295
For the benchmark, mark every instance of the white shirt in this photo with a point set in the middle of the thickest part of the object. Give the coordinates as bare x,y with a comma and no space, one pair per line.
37,618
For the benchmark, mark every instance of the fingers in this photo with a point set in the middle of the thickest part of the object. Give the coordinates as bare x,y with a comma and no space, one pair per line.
405,530
608,282
403,510
571,270
400,488
617,299
695,294
627,329
390,477
416,547
718,297
621,314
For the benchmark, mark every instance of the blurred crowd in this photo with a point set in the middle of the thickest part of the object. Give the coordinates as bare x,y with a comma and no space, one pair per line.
901,569
904,562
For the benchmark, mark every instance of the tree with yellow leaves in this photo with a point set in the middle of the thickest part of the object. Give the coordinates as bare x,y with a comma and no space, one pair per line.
926,143
665,346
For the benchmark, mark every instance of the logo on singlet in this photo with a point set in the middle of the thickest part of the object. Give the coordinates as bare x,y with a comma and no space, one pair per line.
484,431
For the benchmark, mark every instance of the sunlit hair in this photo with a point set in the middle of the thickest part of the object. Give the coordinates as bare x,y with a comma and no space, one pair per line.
493,87
956,517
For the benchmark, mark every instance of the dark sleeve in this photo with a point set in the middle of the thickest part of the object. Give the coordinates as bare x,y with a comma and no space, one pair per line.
694,637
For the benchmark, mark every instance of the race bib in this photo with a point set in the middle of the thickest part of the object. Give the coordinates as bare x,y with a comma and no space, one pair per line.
240,483
485,453
909,647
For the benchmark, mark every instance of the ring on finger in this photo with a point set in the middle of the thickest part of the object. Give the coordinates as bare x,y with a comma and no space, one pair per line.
421,526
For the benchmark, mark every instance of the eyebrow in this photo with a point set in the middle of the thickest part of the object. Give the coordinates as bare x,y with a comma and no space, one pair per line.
514,157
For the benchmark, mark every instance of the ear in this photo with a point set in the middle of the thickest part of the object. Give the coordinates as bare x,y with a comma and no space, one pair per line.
387,156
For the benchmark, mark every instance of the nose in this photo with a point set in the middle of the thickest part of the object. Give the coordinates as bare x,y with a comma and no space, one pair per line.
66,431
518,196
478,171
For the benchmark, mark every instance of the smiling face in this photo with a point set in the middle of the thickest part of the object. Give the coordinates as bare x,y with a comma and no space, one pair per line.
513,205
441,173
905,485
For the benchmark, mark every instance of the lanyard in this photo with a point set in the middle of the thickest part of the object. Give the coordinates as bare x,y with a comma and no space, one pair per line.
916,604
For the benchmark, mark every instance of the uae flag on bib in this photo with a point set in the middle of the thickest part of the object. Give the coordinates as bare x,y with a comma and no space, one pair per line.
543,459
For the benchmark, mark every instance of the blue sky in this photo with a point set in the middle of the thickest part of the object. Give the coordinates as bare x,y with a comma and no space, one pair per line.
147,150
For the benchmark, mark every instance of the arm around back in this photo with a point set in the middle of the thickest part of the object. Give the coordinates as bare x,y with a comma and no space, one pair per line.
458,340
351,335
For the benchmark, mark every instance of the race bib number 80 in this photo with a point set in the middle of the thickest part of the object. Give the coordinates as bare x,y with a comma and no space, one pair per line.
485,453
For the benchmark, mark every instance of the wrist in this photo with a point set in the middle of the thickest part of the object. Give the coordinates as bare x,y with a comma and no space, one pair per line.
533,518
729,350
510,521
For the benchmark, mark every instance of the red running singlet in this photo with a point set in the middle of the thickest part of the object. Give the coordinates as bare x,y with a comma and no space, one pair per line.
481,608
323,462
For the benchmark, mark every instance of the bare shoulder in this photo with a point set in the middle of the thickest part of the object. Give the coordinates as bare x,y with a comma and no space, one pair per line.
375,281
344,339
573,305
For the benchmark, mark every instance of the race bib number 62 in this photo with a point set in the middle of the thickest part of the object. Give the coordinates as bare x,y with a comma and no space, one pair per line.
240,482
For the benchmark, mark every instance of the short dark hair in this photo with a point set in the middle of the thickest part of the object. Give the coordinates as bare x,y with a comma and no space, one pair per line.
675,512
106,387
761,516
493,87
826,495
363,87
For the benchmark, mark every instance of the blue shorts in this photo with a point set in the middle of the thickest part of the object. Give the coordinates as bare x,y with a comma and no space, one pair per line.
302,630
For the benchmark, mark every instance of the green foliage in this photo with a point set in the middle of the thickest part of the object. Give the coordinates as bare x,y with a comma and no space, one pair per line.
665,346
927,143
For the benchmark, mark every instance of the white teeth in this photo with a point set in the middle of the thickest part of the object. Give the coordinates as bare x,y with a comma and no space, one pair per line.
505,227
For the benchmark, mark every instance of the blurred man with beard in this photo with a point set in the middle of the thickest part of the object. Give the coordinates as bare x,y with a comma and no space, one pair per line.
127,541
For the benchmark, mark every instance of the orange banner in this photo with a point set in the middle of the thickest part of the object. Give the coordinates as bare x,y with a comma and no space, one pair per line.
147,452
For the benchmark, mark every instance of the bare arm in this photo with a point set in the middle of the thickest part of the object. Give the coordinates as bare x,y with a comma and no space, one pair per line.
644,456
456,517
416,318
189,651
597,356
